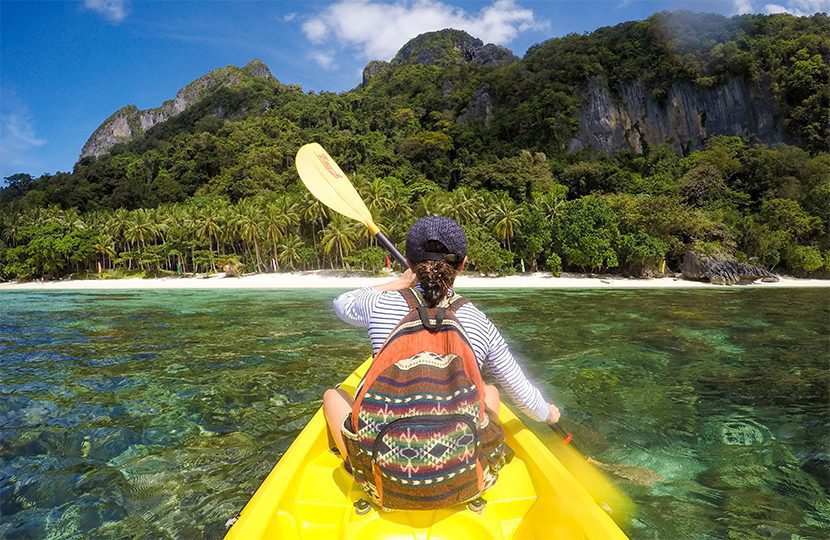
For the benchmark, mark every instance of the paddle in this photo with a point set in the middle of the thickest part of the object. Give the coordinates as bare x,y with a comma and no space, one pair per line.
324,179
641,476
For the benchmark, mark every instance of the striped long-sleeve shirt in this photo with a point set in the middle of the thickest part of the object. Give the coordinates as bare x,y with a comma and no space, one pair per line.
381,311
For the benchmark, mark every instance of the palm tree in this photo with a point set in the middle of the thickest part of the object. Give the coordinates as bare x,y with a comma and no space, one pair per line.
105,248
338,236
550,202
11,223
314,212
431,204
279,217
117,226
158,216
378,196
140,228
249,227
463,205
207,226
290,250
174,226
505,216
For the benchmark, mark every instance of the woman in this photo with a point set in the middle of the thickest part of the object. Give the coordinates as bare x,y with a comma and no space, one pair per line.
436,249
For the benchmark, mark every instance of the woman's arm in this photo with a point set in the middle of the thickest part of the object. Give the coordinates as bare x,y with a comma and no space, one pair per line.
506,371
404,281
355,307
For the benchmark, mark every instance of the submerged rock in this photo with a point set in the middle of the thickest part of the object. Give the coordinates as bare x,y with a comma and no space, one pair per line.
736,430
639,476
739,431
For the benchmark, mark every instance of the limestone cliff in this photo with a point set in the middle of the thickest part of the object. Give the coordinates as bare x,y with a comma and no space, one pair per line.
128,122
632,118
446,47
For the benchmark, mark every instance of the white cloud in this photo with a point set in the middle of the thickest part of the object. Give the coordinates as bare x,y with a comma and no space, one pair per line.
793,7
17,135
376,30
799,7
114,11
288,17
326,60
18,132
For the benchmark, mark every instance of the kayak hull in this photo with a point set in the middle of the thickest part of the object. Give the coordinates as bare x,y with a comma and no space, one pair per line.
310,495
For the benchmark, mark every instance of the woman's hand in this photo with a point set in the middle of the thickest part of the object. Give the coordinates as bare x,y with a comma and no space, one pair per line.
553,413
404,281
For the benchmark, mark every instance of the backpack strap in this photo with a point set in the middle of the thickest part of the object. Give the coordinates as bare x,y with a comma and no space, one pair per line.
448,334
415,301
414,298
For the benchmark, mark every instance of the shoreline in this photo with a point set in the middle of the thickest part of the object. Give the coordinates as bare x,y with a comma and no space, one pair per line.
322,279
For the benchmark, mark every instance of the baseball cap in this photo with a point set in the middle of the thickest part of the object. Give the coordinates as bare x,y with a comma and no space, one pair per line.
436,229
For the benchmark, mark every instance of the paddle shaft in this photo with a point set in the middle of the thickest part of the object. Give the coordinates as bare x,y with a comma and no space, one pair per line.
567,436
390,247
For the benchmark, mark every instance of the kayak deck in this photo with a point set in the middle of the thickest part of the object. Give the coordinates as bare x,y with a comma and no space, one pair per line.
309,494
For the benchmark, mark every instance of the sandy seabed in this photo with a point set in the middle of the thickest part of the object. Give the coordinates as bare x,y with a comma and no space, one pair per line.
334,280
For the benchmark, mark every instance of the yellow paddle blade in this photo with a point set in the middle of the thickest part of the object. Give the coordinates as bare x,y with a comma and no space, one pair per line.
603,490
326,181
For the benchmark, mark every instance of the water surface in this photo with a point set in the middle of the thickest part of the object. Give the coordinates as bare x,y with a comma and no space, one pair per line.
157,413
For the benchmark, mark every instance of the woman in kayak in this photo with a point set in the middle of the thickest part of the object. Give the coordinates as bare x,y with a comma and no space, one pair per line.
436,249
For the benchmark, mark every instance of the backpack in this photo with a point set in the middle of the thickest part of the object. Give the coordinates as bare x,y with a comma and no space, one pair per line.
419,436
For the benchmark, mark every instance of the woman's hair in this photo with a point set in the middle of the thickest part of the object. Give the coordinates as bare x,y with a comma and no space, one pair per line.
436,277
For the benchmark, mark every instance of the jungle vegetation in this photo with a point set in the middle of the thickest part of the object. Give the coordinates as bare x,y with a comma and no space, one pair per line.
206,191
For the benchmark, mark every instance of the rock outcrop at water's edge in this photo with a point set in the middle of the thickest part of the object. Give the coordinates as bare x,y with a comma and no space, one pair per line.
631,117
128,122
698,267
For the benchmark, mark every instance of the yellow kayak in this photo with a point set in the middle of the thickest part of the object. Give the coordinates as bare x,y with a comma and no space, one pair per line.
309,494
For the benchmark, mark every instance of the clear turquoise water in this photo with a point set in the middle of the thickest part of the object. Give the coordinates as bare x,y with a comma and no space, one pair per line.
153,414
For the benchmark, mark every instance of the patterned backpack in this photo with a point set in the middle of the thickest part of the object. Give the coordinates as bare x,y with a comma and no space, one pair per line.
419,436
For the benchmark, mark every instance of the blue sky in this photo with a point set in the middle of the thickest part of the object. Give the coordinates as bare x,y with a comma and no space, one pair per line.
65,66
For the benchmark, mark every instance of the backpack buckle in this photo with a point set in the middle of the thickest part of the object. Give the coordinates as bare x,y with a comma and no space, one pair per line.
477,505
362,507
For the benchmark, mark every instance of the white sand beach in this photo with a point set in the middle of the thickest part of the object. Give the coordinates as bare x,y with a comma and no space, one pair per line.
335,280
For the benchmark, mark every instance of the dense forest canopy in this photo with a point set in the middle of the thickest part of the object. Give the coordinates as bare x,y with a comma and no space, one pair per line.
215,186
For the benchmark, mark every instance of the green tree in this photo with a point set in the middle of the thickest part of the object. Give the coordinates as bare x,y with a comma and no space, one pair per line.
585,234
788,216
280,217
533,237
640,253
504,216
804,258
484,254
290,250
247,221
339,237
